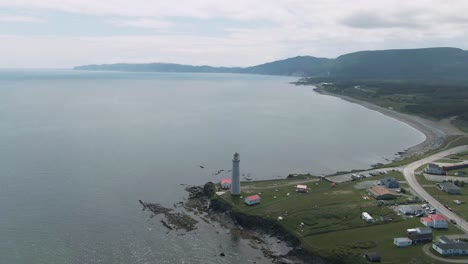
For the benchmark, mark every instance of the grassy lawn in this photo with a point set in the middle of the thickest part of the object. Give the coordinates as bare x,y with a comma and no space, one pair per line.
376,238
451,142
452,172
449,161
445,198
332,220
460,156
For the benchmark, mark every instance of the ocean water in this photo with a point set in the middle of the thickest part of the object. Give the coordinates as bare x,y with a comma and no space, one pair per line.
79,149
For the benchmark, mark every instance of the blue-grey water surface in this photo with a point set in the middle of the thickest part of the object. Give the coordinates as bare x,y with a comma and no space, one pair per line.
78,149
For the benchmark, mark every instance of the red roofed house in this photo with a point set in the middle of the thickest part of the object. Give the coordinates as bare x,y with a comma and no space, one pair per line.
251,200
427,221
435,221
226,183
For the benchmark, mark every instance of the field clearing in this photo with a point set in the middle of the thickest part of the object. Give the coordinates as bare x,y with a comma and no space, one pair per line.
447,199
449,161
331,217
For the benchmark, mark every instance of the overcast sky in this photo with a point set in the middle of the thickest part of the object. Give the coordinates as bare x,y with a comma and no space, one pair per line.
66,33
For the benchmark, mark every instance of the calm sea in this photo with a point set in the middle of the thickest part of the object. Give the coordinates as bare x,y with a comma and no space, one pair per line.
78,149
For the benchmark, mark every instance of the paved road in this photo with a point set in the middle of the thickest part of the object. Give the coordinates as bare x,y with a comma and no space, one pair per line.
408,172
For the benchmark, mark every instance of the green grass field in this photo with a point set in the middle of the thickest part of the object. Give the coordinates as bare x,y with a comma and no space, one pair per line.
446,198
450,142
332,220
464,171
449,161
459,156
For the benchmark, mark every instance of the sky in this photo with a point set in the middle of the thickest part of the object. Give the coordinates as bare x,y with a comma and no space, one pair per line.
67,33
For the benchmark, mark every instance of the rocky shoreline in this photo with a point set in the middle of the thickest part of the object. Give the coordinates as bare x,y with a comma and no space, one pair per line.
202,204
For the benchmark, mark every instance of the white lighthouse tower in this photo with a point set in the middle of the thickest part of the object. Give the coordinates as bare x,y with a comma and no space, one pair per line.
235,186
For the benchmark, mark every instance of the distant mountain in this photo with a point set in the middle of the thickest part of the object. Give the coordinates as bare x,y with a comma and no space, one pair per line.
415,64
404,64
157,67
297,66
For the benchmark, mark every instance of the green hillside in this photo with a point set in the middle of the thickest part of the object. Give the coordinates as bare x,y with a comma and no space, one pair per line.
298,66
429,65
412,64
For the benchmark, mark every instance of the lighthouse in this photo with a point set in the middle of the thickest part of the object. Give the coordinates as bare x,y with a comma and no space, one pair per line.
235,186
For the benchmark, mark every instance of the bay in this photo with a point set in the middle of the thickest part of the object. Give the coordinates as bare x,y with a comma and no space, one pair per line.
79,149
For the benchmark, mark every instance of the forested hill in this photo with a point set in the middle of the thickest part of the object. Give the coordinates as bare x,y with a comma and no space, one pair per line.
435,64
297,66
430,64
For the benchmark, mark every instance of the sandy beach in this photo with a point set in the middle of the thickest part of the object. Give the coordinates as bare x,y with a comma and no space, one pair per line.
434,131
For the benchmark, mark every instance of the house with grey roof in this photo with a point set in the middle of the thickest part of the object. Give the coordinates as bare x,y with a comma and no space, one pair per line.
448,187
420,235
390,182
411,209
433,168
449,247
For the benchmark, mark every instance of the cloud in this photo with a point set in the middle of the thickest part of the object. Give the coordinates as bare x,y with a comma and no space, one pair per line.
158,24
22,19
325,28
367,20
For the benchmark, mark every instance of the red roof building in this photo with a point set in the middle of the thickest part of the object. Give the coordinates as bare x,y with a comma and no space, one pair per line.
435,221
251,200
437,217
226,183
427,221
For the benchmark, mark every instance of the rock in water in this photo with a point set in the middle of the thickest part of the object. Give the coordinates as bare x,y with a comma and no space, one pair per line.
209,189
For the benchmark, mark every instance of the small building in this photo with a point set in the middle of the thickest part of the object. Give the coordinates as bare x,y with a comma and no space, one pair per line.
402,242
382,193
373,257
422,235
253,199
301,188
390,182
410,209
427,221
451,248
435,169
435,221
448,187
226,183
366,217
445,240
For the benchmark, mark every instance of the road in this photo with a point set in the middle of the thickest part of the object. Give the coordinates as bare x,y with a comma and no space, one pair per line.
409,173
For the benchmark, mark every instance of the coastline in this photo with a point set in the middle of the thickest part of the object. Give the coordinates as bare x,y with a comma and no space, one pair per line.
435,132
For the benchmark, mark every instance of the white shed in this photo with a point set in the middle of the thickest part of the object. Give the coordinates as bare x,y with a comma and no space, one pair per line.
402,241
366,217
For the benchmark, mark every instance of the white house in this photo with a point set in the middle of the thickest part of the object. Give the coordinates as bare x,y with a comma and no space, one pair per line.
251,200
301,188
451,248
366,217
434,169
402,242
438,221
226,183
435,221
